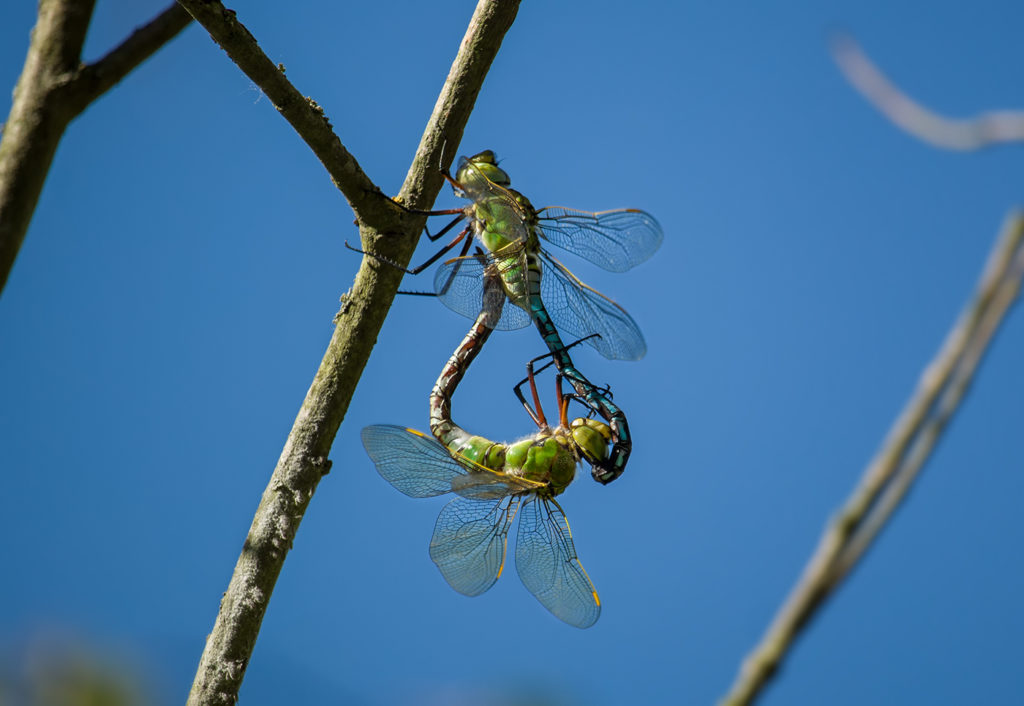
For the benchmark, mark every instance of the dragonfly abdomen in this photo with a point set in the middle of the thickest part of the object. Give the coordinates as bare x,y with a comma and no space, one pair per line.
442,426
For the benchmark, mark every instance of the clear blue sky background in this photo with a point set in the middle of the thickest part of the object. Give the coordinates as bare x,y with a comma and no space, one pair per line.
175,292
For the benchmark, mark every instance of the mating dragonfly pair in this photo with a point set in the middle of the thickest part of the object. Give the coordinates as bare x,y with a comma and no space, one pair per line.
495,482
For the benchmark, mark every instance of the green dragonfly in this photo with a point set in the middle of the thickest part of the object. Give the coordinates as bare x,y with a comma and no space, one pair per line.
542,289
511,229
493,484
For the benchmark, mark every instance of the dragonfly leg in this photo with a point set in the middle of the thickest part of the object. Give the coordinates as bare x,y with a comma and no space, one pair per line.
531,372
551,354
430,261
433,238
439,212
563,402
537,416
443,289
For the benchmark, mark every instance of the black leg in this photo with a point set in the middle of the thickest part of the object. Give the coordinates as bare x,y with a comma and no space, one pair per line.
430,261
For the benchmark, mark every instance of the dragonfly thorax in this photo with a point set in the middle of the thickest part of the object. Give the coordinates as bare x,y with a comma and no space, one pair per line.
549,457
498,223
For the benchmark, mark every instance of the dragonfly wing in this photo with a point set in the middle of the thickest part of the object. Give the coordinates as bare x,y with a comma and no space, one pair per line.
615,240
485,484
578,310
413,462
469,541
548,566
459,284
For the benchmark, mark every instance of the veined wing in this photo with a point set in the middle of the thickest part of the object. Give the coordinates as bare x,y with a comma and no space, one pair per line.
459,284
548,566
615,240
419,466
578,310
469,541
412,461
486,484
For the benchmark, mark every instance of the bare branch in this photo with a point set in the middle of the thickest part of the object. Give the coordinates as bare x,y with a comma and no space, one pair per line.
301,112
54,89
303,460
893,470
971,134
97,78
1000,286
36,122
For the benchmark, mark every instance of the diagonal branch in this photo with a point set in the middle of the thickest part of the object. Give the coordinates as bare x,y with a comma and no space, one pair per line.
893,470
970,134
301,112
999,289
54,88
391,232
97,78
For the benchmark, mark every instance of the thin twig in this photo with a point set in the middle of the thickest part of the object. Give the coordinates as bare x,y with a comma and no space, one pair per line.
301,112
95,79
53,89
1002,282
391,232
893,470
970,134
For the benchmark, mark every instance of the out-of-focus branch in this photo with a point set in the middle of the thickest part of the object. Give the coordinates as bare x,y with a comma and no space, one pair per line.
53,89
391,232
969,134
893,470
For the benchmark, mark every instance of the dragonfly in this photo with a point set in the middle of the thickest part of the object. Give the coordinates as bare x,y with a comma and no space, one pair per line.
542,289
494,483
511,229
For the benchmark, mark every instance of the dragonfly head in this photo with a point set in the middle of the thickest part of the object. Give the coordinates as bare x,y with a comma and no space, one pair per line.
487,164
591,438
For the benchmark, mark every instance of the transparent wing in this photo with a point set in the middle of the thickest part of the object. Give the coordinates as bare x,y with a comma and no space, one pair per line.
486,484
419,466
459,284
578,311
413,462
615,240
548,566
469,541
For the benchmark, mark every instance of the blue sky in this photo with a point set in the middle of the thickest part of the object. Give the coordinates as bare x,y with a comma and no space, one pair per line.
175,292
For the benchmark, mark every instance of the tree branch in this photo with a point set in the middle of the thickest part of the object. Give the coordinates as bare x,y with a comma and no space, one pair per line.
54,89
391,232
301,112
97,78
971,134
893,470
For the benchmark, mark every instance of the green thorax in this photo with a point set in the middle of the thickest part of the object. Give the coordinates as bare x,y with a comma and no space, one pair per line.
501,215
498,223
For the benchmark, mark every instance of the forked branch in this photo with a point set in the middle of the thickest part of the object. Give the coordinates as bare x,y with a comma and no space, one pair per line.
385,228
54,88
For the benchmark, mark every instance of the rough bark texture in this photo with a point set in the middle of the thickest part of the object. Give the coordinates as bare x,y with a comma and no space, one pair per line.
53,89
385,228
